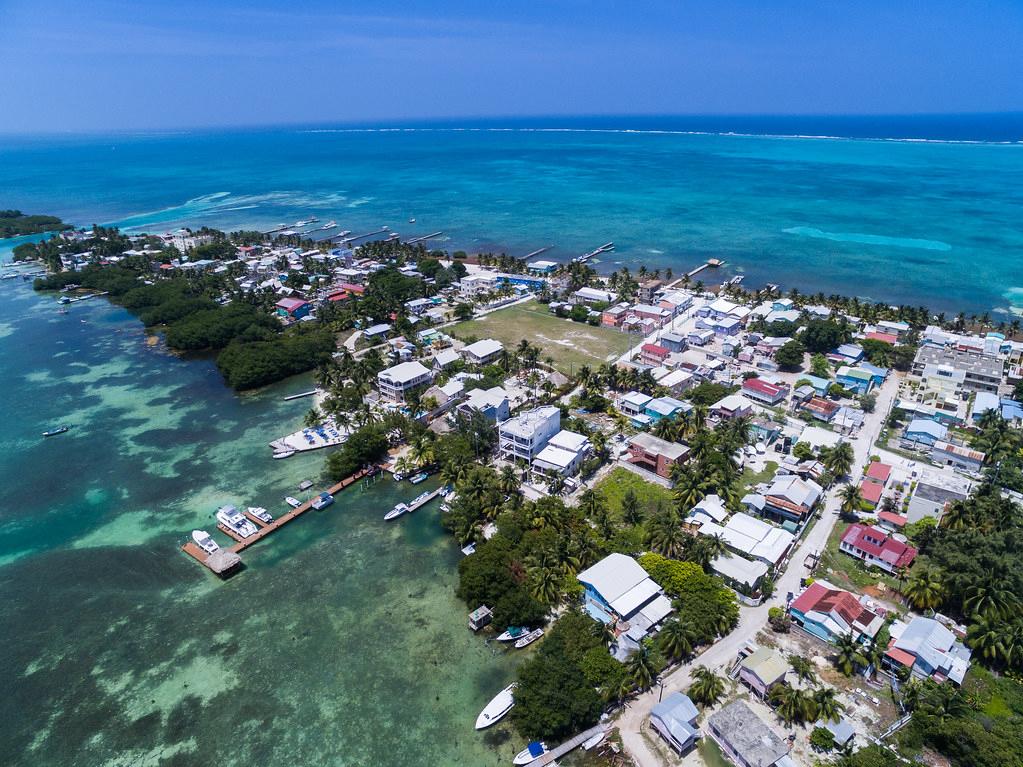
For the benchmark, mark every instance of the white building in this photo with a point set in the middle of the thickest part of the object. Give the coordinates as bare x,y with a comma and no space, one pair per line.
483,352
593,296
394,382
749,536
525,435
472,285
565,451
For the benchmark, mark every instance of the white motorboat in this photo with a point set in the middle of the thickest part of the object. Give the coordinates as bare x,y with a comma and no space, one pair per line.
513,632
322,501
261,514
234,520
204,541
292,502
500,705
396,512
530,753
283,454
594,741
528,639
329,225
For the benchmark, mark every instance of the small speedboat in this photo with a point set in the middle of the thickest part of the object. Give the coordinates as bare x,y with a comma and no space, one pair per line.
412,221
396,512
283,454
322,501
528,639
329,225
261,514
594,741
292,502
398,476
204,541
420,477
234,520
500,705
512,632
55,432
530,753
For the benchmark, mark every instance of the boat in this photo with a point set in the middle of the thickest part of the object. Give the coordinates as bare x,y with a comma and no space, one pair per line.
283,454
261,514
412,221
329,225
234,520
322,501
396,512
528,639
500,705
306,221
420,477
398,476
305,484
419,500
55,432
512,632
595,740
205,542
65,300
292,502
530,753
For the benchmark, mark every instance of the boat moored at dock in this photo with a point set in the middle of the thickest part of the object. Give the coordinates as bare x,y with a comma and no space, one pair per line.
396,512
420,477
530,753
528,639
283,454
496,709
261,514
234,520
512,632
205,541
322,501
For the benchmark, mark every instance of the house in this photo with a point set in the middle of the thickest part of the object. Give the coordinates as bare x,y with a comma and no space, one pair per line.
761,391
295,308
982,403
977,371
959,456
376,333
677,381
492,403
871,492
445,358
876,548
765,431
841,731
658,315
665,407
743,574
745,535
446,396
634,402
418,305
887,338
525,435
673,342
541,267
655,454
744,738
934,491
820,408
617,590
652,354
674,719
929,650
762,670
828,612
592,296
564,452
788,498
614,316
847,353
855,379
700,337
483,352
819,385
878,472
731,406
647,288
395,382
897,329
924,432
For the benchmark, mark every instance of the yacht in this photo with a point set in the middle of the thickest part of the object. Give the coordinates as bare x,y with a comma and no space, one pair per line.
204,541
500,705
396,512
261,514
234,520
329,225
530,753
322,501
292,501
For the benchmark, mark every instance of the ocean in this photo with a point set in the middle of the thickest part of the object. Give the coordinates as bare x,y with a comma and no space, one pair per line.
915,210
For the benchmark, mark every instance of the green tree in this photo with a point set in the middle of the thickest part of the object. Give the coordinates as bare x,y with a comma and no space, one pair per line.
640,668
848,654
675,640
790,355
707,687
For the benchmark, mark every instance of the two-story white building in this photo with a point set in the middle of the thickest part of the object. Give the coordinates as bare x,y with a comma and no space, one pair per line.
394,382
525,435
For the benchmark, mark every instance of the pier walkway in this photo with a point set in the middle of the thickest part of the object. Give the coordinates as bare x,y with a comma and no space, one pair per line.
568,745
216,564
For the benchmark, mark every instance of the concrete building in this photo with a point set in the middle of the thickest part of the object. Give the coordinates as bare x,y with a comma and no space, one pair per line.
744,738
564,452
655,454
395,382
961,457
492,403
980,372
525,435
934,490
483,352
592,296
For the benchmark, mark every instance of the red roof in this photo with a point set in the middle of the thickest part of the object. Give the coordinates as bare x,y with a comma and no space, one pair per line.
865,539
906,659
825,600
871,491
888,338
658,351
340,295
762,386
353,288
893,519
878,471
291,304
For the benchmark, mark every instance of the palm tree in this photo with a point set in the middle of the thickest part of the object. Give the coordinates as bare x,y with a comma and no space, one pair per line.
803,669
826,704
640,668
985,635
592,505
508,481
665,534
545,573
630,507
707,687
676,639
926,589
848,654
990,600
791,704
840,458
850,498
604,633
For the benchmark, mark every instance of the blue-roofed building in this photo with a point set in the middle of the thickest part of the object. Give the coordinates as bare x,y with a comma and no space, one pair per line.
674,718
665,407
673,342
983,402
928,649
879,374
1012,410
849,352
855,379
820,385
529,281
923,431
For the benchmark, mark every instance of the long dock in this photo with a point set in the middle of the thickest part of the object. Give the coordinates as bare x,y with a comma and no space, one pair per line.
299,396
227,559
414,506
596,252
381,230
430,236
536,253
568,745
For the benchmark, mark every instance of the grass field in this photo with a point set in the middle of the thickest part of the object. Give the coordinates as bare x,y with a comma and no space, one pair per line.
614,485
846,571
570,344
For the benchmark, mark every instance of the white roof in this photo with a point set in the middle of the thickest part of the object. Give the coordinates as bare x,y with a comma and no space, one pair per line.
614,576
658,609
481,398
731,402
817,437
555,457
676,377
452,388
713,507
595,295
483,348
751,536
738,569
568,440
446,357
635,597
405,372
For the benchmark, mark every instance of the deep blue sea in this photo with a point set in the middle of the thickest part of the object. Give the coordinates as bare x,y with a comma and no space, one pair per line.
919,210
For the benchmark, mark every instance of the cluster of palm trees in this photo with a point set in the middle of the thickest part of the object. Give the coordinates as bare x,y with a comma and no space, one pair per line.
611,377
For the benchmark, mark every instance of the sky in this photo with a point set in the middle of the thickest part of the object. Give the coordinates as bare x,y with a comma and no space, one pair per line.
93,65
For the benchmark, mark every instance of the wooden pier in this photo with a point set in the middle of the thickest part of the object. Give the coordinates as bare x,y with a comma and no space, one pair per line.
568,745
353,238
607,246
414,506
299,396
430,236
536,253
227,558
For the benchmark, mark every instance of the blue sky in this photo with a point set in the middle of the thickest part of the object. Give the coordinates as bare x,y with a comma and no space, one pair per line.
104,64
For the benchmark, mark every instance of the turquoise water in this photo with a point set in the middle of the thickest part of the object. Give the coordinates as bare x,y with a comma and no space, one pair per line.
341,643
933,223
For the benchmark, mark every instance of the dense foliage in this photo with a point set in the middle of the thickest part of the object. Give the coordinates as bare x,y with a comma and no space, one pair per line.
250,364
366,445
702,602
14,223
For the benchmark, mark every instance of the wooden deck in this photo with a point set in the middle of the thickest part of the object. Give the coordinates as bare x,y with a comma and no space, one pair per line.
265,529
568,745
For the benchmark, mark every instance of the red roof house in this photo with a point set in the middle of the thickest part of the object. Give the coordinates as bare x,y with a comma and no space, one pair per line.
827,612
879,472
871,492
653,354
888,338
762,391
875,547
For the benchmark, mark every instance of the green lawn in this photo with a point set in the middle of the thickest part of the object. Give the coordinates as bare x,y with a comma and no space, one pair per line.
711,754
615,484
847,571
750,478
570,344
